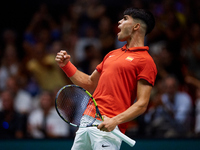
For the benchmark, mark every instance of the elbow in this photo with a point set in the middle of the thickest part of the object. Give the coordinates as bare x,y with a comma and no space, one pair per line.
145,109
142,109
92,86
141,106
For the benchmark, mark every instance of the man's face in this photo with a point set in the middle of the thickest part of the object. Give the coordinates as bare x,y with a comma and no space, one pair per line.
46,101
7,100
171,86
126,26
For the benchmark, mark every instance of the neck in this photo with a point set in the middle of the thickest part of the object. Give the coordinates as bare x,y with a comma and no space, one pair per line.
46,111
171,98
136,40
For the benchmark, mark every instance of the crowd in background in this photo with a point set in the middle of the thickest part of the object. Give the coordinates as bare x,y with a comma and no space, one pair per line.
87,29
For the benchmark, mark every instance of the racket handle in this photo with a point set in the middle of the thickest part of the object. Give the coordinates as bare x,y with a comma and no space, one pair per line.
124,137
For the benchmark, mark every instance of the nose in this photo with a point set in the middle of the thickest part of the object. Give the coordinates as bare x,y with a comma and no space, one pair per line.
120,21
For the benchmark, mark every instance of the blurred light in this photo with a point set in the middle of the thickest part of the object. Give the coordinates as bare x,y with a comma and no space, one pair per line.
5,125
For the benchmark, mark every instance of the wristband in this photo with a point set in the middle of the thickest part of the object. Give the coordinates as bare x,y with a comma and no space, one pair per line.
69,69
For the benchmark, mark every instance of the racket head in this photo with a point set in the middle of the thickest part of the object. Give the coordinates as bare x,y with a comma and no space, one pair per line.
72,102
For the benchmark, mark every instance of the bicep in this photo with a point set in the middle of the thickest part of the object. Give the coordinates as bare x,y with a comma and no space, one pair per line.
143,92
94,78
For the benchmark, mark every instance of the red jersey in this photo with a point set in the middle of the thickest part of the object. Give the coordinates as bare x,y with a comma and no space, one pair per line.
120,70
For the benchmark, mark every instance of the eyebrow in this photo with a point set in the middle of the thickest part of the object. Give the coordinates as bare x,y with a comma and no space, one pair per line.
125,16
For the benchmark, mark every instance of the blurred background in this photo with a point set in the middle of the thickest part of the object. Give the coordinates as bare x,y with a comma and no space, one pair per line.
32,32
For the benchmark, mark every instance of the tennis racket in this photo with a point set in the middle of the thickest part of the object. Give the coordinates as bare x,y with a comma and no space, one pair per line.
73,103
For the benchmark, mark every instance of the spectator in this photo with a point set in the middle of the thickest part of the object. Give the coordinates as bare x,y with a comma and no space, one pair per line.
10,65
90,22
69,41
9,37
196,83
197,113
42,29
95,9
190,51
178,105
155,118
90,12
44,122
89,39
91,59
22,100
12,122
162,58
44,69
171,114
106,35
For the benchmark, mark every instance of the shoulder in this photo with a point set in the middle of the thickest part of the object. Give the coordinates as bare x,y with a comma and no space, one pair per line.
145,61
36,113
112,53
22,94
115,51
145,56
183,96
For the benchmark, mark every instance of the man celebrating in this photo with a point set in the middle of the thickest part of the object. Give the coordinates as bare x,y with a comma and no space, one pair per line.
125,75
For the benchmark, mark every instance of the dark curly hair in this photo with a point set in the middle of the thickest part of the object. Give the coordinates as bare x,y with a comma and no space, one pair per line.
142,14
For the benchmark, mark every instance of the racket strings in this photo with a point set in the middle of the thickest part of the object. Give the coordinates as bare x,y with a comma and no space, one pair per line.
72,103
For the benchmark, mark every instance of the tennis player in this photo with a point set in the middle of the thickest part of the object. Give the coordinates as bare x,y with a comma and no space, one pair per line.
121,83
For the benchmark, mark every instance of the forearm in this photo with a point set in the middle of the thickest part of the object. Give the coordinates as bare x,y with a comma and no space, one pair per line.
139,107
83,80
131,113
88,82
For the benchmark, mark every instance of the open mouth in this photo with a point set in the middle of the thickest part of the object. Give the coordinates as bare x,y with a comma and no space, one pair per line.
119,29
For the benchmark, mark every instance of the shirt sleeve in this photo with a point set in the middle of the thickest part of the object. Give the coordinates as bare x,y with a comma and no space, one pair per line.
99,67
147,71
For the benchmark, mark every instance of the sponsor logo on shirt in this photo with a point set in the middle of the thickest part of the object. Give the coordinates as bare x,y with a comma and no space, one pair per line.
105,145
129,58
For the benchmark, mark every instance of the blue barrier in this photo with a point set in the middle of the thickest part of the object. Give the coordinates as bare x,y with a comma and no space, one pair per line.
65,144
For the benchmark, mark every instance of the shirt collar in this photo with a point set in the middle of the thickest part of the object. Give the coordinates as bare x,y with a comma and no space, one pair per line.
135,48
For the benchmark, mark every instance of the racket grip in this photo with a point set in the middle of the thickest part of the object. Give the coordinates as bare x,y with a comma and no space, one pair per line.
124,137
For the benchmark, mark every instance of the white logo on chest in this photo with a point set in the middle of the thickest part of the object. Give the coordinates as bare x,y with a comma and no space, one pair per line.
111,56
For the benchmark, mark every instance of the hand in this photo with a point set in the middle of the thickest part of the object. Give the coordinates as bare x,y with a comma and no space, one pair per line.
62,58
107,125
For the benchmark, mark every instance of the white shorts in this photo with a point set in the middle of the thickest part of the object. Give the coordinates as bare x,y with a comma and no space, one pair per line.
91,138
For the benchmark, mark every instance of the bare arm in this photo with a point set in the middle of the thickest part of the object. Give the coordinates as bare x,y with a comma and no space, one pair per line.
88,82
193,81
138,108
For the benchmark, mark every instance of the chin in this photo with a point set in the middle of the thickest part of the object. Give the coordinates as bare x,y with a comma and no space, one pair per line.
121,39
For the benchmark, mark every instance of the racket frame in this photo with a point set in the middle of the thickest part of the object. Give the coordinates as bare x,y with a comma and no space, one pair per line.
116,132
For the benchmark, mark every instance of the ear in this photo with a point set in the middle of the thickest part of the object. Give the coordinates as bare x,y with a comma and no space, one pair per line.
136,26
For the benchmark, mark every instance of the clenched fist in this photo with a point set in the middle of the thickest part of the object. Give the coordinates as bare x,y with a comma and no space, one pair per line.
62,58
